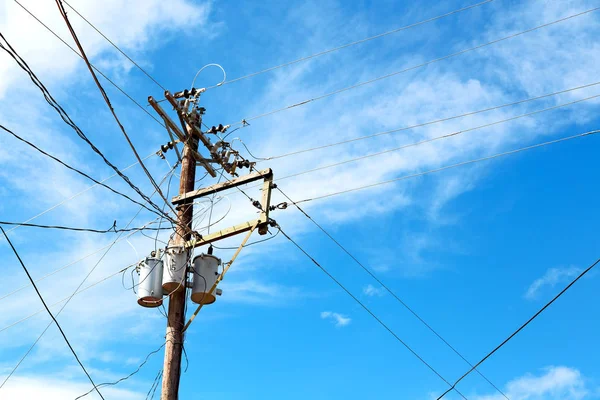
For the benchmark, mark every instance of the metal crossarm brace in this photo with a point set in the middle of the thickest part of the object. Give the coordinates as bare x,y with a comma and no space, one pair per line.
222,274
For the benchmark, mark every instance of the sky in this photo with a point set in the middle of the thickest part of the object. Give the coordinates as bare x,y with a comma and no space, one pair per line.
474,250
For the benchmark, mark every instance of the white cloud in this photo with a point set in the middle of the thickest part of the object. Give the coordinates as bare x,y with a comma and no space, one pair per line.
371,290
59,389
555,383
338,319
257,292
551,278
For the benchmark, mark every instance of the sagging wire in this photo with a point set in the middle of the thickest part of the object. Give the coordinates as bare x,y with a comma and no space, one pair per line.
210,65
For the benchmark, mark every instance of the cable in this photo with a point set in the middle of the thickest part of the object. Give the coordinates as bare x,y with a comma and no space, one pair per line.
452,166
73,168
588,269
156,380
74,292
108,103
210,65
51,315
63,267
121,271
97,70
65,117
77,194
67,228
355,43
372,275
115,46
126,377
243,122
159,376
370,312
419,125
434,139
249,244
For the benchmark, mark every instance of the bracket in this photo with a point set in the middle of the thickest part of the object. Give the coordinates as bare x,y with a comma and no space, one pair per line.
263,221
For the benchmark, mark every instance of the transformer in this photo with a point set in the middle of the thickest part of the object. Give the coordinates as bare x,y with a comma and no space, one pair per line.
150,290
206,271
174,274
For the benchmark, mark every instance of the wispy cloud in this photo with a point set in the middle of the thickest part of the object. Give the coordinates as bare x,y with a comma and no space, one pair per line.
338,319
555,383
372,291
551,278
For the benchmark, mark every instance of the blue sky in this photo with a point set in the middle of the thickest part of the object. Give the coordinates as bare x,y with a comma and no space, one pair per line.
474,250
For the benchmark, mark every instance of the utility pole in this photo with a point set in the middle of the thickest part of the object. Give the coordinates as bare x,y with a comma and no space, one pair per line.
204,268
176,316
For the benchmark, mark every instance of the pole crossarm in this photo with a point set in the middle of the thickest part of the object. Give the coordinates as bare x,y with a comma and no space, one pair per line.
171,126
222,274
266,174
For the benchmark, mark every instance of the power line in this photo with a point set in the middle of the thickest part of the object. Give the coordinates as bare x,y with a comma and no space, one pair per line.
354,43
451,166
370,312
115,46
50,313
78,194
107,100
420,124
97,70
112,229
588,269
64,299
125,377
75,169
434,139
243,122
75,291
372,275
65,117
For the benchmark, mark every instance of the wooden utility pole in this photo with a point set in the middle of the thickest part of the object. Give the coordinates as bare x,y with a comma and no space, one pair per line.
221,154
176,317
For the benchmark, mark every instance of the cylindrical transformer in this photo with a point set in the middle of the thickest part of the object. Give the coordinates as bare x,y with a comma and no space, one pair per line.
150,291
174,275
206,271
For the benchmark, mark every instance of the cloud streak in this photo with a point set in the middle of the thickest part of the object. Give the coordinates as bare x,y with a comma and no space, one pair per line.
337,319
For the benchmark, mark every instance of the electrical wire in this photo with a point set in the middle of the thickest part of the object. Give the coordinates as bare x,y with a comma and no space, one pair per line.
97,70
65,117
442,137
420,124
125,377
372,275
77,194
210,65
452,166
371,313
249,244
354,43
588,269
62,268
74,292
156,382
108,103
301,103
121,271
73,168
51,315
67,228
115,46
